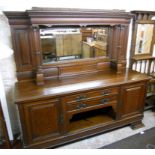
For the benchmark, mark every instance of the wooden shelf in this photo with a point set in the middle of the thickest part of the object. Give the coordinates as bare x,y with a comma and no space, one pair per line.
142,57
90,119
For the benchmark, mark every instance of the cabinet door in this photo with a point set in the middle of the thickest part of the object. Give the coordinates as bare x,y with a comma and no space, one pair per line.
40,120
22,42
133,97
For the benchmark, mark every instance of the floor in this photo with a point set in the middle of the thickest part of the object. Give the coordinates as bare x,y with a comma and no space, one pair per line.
113,136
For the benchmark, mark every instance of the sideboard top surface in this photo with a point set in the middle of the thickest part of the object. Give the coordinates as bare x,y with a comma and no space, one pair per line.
29,91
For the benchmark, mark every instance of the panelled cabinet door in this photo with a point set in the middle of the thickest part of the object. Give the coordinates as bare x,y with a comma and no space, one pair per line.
40,120
118,37
133,97
22,43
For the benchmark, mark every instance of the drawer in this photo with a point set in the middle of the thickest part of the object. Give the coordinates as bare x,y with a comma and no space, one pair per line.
92,103
90,95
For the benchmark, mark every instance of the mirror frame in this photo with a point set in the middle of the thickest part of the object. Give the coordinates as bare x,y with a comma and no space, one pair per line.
141,17
26,40
140,36
117,20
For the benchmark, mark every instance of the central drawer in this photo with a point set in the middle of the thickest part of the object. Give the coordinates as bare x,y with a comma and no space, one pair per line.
78,97
93,103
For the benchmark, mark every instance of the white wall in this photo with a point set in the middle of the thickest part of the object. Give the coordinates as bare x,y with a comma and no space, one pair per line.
7,66
99,4
7,72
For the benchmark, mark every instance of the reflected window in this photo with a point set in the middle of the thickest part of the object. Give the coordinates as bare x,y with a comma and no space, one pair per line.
153,18
60,44
144,38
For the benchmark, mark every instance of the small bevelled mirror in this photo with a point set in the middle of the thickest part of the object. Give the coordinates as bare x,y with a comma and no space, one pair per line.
144,38
60,44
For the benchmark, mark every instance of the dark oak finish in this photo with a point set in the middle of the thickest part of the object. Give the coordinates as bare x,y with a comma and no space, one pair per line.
47,116
25,30
78,98
23,44
48,123
136,95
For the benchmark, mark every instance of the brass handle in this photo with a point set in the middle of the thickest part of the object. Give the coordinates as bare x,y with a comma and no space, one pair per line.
106,92
81,105
105,101
81,97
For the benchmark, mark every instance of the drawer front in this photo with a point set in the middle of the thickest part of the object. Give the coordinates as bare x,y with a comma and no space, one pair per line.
90,95
92,103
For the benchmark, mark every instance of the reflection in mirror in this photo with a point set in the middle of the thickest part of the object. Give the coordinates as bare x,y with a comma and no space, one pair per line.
153,53
153,18
59,44
144,38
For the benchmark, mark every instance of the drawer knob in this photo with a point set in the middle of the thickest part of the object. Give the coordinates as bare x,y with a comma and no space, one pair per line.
81,105
105,101
106,92
79,98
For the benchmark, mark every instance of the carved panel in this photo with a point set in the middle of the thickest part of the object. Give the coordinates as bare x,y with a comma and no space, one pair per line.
132,99
23,48
42,120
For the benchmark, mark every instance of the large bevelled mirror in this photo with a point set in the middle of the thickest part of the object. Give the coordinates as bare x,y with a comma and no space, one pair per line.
63,44
144,38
